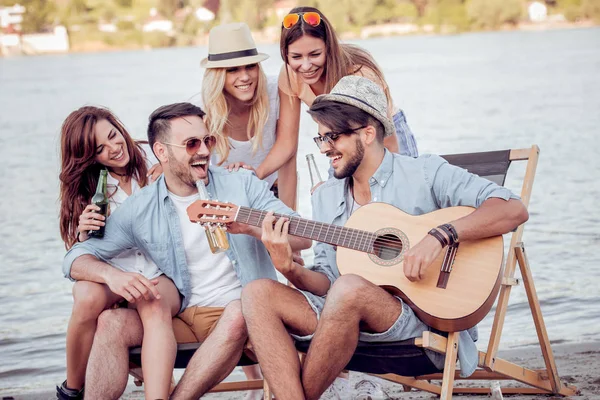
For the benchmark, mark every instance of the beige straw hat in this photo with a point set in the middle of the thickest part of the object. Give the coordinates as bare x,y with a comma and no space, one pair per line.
231,45
362,93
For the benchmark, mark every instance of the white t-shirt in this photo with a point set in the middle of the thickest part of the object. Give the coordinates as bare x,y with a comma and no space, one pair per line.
242,150
214,282
131,260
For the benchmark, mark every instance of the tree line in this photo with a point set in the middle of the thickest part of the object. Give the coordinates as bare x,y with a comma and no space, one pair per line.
346,15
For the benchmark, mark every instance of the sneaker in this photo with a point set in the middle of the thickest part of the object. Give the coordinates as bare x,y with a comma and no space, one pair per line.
369,390
64,393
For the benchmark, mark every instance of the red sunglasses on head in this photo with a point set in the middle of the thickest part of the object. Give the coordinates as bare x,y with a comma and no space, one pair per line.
312,18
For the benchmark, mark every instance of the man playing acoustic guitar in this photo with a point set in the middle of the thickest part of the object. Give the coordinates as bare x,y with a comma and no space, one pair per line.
334,311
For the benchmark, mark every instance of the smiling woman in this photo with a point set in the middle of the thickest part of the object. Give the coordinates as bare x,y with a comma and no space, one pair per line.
93,139
315,60
242,105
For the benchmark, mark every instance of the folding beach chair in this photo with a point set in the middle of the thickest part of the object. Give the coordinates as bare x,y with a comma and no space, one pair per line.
406,362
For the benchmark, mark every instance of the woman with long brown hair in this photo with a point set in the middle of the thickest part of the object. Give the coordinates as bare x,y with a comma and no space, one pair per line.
315,61
92,139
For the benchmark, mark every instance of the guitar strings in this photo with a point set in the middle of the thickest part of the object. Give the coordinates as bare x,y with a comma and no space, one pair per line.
353,235
362,240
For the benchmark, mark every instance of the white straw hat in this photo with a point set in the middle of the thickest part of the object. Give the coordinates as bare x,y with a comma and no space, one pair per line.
362,93
231,45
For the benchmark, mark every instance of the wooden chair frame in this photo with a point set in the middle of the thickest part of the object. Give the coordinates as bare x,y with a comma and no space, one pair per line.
539,381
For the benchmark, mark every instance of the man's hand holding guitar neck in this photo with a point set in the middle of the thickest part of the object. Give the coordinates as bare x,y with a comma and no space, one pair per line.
276,240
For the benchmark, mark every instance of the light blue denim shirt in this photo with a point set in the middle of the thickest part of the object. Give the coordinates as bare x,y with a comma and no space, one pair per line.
415,186
148,220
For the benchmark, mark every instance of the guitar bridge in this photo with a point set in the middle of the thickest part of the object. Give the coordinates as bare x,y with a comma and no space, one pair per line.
446,267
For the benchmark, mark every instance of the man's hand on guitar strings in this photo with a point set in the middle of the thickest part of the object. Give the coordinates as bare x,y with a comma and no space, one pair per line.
420,257
275,238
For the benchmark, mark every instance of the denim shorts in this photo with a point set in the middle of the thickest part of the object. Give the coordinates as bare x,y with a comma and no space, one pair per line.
407,326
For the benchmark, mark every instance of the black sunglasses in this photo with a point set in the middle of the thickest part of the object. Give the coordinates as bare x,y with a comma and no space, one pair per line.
331,137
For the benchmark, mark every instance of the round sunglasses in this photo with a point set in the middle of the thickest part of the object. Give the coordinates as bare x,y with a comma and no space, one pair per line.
312,18
193,145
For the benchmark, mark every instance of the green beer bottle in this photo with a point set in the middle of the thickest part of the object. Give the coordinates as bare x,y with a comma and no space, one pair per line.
101,200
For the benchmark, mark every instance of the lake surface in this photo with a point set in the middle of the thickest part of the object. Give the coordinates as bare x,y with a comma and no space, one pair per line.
464,93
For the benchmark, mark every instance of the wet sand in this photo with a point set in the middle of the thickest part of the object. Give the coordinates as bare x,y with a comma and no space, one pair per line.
578,364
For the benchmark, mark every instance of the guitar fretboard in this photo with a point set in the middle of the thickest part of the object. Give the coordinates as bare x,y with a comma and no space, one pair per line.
327,233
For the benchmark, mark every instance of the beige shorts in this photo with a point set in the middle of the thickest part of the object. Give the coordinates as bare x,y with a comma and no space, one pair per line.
194,324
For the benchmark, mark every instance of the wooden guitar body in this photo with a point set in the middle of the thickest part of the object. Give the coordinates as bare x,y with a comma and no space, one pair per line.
472,284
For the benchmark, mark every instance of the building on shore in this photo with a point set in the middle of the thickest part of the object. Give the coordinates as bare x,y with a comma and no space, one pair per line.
14,42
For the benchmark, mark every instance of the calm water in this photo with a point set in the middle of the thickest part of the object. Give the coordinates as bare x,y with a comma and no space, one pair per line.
461,94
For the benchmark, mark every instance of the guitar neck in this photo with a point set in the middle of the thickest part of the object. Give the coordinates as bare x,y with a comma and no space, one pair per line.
327,233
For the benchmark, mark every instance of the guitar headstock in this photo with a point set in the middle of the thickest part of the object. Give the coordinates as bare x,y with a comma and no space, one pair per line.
211,211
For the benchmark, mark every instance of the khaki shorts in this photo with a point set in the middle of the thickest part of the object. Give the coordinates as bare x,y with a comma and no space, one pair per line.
194,324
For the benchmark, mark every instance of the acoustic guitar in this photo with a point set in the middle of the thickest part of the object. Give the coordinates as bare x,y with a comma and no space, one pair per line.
457,290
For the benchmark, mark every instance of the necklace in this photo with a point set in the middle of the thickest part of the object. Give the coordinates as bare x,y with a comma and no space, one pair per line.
118,174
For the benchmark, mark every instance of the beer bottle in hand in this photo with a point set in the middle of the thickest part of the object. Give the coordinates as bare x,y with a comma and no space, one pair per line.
101,200
315,175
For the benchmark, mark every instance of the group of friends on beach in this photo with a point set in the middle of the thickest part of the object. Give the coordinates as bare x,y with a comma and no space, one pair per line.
152,279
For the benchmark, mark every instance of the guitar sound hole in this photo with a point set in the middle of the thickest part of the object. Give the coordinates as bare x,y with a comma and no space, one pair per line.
387,247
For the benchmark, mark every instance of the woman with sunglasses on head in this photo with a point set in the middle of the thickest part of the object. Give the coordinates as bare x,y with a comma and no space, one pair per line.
315,61
242,105
93,139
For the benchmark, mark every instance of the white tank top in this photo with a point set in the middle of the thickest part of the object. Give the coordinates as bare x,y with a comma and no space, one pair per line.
242,150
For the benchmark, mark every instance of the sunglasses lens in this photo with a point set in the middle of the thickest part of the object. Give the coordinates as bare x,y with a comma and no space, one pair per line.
193,145
312,18
210,141
290,20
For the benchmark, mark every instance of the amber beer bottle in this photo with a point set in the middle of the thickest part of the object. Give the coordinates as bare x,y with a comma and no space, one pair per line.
100,199
216,236
315,175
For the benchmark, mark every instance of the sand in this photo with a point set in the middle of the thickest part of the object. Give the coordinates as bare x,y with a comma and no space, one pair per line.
578,364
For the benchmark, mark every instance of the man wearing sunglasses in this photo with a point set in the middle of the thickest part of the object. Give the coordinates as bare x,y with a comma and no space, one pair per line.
352,123
156,222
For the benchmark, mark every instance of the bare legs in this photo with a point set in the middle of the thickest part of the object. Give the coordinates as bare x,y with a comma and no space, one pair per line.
108,368
352,304
89,300
159,347
217,356
272,309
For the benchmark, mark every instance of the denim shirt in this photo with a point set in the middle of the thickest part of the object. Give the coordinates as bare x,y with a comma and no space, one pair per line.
415,186
148,220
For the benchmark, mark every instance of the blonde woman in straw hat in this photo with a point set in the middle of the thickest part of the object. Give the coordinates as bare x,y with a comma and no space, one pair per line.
242,105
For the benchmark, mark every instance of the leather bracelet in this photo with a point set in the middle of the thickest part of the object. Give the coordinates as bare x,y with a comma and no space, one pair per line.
436,234
452,230
448,232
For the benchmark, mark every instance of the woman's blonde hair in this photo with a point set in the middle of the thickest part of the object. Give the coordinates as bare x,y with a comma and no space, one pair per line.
217,110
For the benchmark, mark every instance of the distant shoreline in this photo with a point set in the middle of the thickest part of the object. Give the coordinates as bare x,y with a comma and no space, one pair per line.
271,35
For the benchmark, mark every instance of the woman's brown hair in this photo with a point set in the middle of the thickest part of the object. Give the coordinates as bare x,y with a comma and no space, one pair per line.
340,59
79,170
